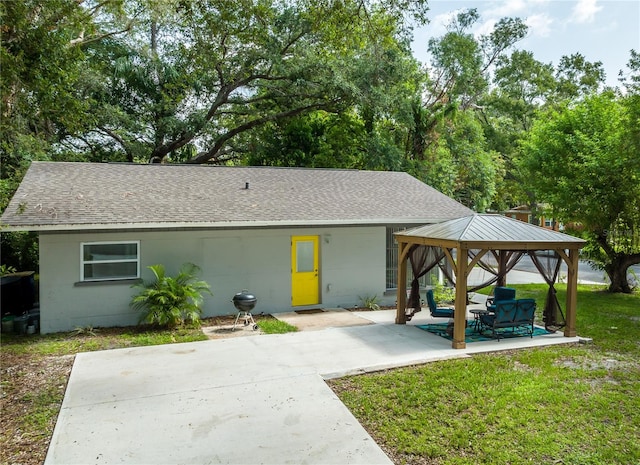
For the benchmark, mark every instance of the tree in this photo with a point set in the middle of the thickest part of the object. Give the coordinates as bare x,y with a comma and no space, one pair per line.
460,164
583,161
445,145
524,86
315,140
193,77
42,61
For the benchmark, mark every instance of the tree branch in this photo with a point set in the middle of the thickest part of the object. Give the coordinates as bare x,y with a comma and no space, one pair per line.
119,140
81,41
204,157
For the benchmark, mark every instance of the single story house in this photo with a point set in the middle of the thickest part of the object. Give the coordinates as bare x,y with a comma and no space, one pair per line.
295,238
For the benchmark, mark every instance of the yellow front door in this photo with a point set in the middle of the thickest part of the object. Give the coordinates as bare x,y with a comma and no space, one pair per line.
304,270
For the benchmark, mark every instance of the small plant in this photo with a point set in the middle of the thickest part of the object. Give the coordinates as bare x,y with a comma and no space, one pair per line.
6,269
442,293
369,302
170,302
85,331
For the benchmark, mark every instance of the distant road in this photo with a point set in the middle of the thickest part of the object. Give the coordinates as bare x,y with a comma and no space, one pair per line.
585,271
525,272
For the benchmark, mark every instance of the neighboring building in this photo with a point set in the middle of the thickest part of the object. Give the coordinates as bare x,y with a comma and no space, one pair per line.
296,238
524,213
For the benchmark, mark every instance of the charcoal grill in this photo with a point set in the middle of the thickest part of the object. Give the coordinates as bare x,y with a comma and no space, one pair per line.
245,302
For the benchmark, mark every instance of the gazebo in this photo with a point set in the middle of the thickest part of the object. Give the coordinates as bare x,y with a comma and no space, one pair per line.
467,242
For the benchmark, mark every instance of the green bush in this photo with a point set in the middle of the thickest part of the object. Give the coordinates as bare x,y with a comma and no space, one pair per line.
441,293
170,302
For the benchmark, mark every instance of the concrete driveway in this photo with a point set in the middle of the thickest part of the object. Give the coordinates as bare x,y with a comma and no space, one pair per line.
243,400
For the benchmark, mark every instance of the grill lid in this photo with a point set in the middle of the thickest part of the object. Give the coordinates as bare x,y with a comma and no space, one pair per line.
244,297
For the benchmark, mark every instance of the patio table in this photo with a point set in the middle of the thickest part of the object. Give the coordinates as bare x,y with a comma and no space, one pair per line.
477,323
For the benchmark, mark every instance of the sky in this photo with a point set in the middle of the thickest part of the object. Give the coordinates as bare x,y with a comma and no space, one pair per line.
600,30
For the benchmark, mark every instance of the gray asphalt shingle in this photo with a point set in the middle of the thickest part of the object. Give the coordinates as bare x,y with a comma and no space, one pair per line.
66,195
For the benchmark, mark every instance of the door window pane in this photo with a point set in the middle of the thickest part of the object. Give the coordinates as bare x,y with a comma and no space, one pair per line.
305,256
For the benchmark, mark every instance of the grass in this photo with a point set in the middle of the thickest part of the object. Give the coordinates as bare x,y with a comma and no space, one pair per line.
273,326
96,339
577,404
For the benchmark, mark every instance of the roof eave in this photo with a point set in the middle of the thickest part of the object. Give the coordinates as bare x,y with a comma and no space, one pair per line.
211,225
495,245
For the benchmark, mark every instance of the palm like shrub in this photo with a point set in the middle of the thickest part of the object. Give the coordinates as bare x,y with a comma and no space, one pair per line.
171,301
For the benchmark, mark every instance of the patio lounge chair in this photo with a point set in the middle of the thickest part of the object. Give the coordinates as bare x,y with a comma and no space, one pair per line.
442,312
512,314
503,317
499,294
525,315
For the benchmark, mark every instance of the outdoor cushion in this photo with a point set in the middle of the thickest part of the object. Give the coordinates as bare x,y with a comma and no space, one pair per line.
442,312
511,314
500,293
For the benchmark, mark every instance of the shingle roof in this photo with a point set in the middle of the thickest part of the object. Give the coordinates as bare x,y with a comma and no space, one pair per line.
492,231
64,195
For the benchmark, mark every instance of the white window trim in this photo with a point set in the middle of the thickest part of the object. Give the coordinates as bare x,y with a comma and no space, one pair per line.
83,262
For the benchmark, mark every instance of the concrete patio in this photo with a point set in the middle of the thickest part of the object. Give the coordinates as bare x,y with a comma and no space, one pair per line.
242,400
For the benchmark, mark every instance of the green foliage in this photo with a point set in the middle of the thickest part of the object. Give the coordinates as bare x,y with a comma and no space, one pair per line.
171,301
5,270
370,302
316,140
441,293
237,67
583,161
85,331
19,250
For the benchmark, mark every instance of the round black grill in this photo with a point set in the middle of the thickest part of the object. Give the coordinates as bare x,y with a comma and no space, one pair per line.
244,301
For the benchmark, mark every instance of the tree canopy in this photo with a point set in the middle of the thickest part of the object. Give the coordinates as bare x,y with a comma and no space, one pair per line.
330,83
583,161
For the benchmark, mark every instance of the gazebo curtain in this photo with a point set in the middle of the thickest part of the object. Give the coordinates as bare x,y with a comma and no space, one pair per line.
512,259
424,258
548,264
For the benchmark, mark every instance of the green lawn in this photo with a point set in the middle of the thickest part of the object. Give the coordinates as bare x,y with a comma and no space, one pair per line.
574,404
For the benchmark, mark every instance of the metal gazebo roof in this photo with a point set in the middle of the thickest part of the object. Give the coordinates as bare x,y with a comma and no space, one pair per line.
489,231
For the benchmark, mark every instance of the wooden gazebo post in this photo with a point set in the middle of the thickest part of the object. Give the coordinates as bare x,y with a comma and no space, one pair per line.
502,264
460,314
401,300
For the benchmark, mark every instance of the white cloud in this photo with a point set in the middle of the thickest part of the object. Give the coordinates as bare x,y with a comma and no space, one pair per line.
539,25
485,28
507,8
585,11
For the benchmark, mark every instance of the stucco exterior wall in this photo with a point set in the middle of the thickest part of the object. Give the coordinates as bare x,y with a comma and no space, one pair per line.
352,264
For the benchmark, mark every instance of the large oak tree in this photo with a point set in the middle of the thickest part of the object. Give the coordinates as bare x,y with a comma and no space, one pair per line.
193,76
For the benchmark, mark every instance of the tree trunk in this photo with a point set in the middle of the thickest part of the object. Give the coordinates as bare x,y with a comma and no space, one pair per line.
617,272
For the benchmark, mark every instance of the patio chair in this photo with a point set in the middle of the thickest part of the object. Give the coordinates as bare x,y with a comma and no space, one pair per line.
442,312
525,314
500,293
503,317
